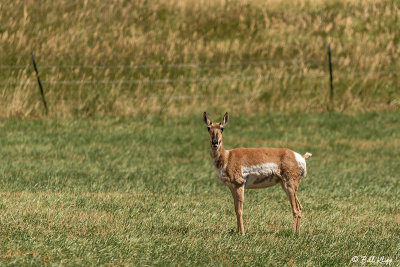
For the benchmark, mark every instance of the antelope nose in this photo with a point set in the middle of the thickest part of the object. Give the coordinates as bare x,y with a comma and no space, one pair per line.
214,142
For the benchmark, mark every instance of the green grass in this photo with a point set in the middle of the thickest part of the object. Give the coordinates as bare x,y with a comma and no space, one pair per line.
143,191
130,182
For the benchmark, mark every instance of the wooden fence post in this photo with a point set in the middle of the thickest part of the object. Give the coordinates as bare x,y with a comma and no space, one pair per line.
330,77
40,84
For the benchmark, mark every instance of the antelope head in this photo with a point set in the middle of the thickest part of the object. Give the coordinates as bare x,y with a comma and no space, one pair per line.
215,130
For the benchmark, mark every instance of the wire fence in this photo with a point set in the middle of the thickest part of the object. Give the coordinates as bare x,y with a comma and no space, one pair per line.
173,97
207,79
318,70
200,65
200,80
165,66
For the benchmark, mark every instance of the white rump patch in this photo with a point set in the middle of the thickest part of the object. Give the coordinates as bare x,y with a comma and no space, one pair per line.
260,176
302,164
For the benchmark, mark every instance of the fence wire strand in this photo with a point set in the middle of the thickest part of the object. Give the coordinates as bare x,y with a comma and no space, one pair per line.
195,65
200,80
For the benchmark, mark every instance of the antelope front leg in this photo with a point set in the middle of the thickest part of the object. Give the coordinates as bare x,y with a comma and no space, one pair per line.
238,198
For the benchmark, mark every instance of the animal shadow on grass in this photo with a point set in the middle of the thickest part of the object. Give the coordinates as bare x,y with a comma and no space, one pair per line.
231,232
280,233
285,233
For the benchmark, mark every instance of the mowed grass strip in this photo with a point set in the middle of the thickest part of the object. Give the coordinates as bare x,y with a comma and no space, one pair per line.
143,191
149,229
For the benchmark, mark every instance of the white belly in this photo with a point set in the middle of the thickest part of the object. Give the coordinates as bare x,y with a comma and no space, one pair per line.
261,176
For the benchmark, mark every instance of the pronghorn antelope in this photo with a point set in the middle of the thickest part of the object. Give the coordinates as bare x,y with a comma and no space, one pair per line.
251,168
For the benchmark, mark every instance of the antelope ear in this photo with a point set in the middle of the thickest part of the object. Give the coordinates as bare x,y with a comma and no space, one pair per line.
225,119
206,119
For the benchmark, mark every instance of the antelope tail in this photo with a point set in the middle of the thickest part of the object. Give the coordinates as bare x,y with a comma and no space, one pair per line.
307,155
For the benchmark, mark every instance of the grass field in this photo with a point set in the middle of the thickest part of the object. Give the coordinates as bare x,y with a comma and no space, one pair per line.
142,191
129,58
118,172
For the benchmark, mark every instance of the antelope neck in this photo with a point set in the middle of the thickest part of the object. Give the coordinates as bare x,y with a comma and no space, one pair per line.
219,156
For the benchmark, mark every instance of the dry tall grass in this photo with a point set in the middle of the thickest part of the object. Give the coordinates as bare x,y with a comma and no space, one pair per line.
281,47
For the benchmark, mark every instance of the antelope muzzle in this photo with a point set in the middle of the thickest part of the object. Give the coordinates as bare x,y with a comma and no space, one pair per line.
215,142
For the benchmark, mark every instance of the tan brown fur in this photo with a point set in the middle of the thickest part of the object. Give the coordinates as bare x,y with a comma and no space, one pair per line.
231,162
